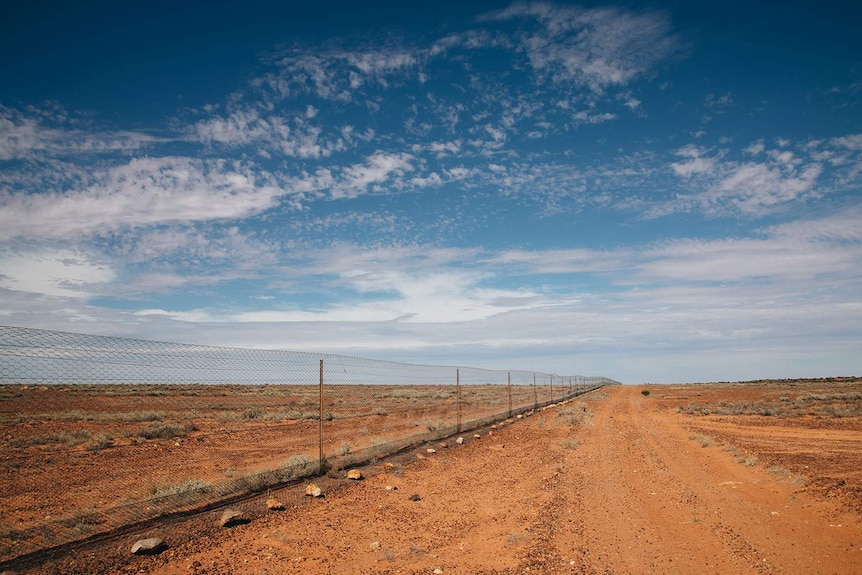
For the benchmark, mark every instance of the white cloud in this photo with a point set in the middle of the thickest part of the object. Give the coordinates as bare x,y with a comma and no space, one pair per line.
718,185
758,188
142,192
380,167
592,118
740,260
718,102
27,136
54,272
597,48
270,134
852,142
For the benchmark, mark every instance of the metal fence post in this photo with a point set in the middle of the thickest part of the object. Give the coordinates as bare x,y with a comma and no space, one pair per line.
458,396
509,378
535,393
320,420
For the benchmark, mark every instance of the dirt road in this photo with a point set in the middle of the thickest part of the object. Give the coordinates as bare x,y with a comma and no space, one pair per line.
606,484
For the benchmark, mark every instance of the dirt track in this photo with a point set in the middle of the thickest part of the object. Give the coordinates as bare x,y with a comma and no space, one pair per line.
611,484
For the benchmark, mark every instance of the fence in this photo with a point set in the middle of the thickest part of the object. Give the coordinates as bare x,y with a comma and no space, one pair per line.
102,432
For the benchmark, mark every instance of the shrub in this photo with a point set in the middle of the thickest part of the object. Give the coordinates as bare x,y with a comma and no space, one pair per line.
253,413
703,440
645,392
159,430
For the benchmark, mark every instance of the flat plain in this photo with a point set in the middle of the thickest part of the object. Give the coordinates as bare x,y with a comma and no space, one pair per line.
760,477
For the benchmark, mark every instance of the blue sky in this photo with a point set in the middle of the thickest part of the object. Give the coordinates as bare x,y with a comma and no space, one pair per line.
654,192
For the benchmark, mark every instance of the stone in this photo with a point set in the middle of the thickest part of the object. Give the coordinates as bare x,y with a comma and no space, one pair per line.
415,497
431,450
148,546
388,465
459,441
231,517
354,474
391,488
476,436
274,504
444,445
313,490
438,571
375,546
494,426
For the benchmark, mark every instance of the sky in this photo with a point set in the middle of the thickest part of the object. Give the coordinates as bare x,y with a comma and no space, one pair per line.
654,191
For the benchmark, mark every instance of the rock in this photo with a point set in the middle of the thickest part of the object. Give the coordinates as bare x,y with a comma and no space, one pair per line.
231,517
148,546
354,474
375,546
430,450
388,465
391,488
444,445
459,441
494,426
438,571
521,416
313,490
274,504
476,436
415,497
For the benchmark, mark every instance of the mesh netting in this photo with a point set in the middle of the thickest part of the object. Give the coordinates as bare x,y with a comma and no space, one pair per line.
103,432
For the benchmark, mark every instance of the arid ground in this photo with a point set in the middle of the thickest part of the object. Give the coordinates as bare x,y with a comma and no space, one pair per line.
743,478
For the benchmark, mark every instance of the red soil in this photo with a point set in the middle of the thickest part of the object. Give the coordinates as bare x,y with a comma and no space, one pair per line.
612,483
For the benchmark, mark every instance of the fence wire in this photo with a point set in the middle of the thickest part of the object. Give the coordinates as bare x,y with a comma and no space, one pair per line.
104,432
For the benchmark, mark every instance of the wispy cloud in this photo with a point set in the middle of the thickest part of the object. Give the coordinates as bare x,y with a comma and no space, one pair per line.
760,181
55,273
141,192
597,48
37,133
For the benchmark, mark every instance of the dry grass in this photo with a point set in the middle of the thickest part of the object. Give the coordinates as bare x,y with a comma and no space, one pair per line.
702,440
576,414
823,399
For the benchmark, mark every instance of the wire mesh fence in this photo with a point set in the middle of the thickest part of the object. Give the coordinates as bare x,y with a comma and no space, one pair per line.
103,432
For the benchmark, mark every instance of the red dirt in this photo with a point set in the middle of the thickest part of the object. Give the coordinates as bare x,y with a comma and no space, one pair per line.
614,483
611,483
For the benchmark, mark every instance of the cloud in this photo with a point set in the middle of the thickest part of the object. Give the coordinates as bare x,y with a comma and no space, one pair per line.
778,259
246,127
380,167
54,272
336,73
141,192
718,185
596,48
40,134
694,164
592,118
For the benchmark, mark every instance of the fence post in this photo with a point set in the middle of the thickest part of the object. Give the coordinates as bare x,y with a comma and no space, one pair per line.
458,397
320,421
552,389
509,378
535,393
